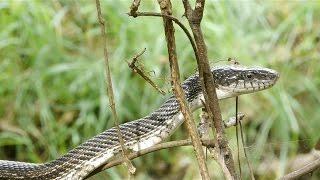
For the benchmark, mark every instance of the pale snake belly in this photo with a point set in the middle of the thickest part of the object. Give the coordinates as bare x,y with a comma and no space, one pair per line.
231,80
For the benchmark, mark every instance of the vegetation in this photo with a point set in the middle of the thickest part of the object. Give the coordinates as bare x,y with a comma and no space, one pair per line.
52,83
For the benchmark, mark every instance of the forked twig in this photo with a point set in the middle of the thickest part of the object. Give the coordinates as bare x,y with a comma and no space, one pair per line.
205,123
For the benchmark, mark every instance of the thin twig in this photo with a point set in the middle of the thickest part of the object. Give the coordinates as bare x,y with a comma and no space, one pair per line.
242,140
165,6
129,165
237,135
245,152
136,69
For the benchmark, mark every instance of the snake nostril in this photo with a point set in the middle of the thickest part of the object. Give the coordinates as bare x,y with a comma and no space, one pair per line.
249,75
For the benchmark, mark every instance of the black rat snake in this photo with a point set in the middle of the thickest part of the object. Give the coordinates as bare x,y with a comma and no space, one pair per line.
140,134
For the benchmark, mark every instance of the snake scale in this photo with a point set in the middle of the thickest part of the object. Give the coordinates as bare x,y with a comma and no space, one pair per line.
230,81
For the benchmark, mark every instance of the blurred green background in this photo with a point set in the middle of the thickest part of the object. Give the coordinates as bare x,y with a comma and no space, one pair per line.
53,92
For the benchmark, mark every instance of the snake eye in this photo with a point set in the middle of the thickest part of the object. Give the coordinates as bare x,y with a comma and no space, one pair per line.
249,75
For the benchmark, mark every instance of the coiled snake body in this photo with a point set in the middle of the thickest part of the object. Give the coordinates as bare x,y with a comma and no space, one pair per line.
140,134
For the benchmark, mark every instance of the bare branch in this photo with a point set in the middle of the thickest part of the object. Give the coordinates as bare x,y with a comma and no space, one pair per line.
134,7
207,82
199,7
136,69
215,153
312,166
204,124
165,6
187,7
129,165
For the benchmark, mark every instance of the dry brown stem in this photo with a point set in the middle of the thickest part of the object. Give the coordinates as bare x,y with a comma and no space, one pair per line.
215,153
237,136
309,167
129,165
166,9
243,143
205,125
312,166
136,69
208,86
134,7
238,123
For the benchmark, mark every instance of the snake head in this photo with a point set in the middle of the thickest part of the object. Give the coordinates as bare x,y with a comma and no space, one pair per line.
233,80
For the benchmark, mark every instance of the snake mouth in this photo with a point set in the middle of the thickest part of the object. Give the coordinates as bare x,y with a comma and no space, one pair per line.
247,86
238,80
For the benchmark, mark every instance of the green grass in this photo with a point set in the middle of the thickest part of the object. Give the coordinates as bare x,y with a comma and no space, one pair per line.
53,93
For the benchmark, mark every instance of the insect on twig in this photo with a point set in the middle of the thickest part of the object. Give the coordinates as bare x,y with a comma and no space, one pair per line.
136,69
